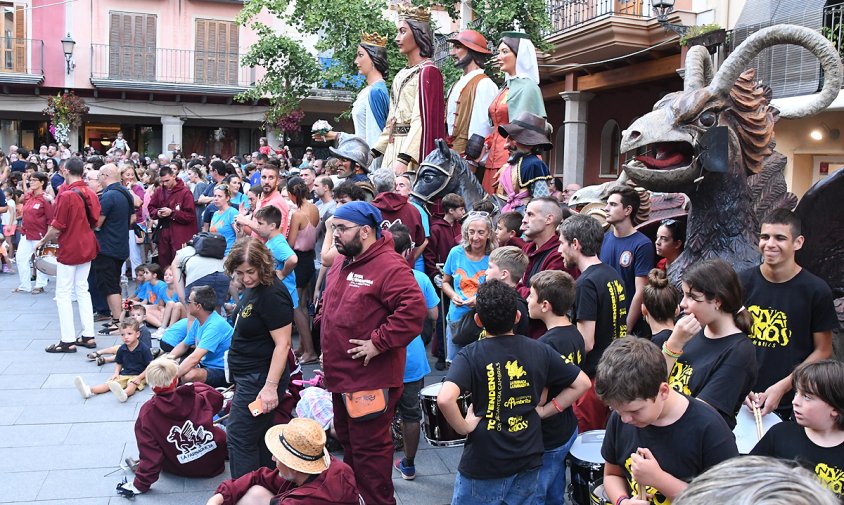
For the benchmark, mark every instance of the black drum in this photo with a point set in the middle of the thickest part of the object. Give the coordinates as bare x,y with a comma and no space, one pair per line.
597,495
436,429
586,467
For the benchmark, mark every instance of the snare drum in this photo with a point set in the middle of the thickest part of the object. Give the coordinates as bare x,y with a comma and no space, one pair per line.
597,495
745,430
45,259
436,429
586,466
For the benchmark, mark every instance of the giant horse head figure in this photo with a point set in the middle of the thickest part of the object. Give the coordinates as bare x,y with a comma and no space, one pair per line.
442,172
707,140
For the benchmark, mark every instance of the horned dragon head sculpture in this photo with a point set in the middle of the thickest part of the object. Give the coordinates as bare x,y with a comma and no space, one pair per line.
677,131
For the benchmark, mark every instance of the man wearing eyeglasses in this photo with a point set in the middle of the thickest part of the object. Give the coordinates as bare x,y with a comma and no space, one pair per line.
372,309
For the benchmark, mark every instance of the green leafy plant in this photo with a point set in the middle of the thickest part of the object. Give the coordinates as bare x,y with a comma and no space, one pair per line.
697,31
835,34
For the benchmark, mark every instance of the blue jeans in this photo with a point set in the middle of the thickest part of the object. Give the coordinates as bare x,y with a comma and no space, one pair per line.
513,490
552,475
453,349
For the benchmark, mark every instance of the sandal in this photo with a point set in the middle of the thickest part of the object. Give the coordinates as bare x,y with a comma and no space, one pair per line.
101,361
108,330
61,347
88,342
37,291
19,290
92,356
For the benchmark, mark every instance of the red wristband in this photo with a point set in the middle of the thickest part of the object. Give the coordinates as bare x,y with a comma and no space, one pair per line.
556,405
621,499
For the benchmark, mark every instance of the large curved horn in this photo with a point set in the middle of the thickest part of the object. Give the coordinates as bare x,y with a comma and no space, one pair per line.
738,61
698,66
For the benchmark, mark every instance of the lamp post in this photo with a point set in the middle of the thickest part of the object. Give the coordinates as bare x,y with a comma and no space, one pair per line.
663,8
67,46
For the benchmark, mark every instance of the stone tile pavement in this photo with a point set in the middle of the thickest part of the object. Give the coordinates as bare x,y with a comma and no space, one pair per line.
57,448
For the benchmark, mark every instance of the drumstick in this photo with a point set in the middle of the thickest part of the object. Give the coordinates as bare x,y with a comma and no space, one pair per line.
757,416
220,420
642,493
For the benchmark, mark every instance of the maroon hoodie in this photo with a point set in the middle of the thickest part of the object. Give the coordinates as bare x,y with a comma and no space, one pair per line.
373,296
443,238
181,225
550,259
395,208
333,486
175,433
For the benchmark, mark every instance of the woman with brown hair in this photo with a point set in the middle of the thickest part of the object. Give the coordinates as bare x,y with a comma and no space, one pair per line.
258,353
709,355
302,238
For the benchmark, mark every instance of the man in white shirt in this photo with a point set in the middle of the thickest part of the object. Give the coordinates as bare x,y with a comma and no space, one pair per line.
470,97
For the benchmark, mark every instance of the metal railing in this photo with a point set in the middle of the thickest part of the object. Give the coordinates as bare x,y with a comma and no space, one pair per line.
22,56
567,14
833,26
171,66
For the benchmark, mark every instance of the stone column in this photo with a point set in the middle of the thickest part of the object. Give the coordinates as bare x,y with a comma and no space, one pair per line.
274,140
73,139
574,126
171,133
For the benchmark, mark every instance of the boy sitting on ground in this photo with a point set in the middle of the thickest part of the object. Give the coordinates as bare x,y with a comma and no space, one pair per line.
648,421
132,359
136,312
175,430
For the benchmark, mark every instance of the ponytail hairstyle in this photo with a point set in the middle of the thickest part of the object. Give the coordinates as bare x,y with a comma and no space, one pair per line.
717,280
660,296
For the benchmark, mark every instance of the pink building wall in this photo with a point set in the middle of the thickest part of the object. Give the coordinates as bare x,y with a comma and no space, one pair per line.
47,24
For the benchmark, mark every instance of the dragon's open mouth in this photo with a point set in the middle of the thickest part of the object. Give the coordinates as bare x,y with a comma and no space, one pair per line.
666,156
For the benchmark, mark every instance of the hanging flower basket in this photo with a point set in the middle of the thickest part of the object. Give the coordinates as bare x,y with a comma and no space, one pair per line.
290,123
65,111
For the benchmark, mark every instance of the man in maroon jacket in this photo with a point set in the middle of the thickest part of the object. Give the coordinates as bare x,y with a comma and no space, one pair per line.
175,430
76,214
395,208
172,204
542,216
372,309
305,473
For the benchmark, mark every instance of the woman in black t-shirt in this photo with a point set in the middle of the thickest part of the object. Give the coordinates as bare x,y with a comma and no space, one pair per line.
258,353
659,304
709,355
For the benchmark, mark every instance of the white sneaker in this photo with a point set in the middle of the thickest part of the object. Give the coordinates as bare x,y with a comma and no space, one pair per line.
83,388
118,391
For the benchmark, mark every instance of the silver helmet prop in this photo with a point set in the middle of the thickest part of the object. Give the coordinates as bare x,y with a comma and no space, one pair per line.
354,149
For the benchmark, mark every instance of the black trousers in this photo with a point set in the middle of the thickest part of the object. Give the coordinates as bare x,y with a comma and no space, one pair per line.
247,451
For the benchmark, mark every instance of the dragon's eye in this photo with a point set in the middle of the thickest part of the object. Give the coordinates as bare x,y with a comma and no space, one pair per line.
707,119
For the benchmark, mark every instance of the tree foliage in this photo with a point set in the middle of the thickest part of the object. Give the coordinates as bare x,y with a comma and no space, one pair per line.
338,24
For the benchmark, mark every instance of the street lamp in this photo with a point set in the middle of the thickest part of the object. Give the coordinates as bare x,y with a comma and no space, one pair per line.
663,8
67,46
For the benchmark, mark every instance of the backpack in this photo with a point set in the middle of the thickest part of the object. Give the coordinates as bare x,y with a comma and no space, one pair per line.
209,245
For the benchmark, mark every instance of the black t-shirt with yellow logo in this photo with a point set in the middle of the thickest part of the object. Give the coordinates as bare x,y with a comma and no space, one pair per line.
601,298
785,314
719,371
506,376
261,310
789,441
568,342
684,449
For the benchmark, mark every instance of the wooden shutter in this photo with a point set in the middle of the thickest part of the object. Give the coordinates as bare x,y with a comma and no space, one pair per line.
20,38
131,46
216,52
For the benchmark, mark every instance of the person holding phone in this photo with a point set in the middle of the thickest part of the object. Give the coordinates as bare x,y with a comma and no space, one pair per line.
257,355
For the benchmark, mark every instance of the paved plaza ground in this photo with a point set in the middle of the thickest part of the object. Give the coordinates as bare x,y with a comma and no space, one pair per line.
57,448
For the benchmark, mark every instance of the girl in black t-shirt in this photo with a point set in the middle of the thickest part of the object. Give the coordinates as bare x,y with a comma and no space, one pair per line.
258,353
659,304
816,439
709,355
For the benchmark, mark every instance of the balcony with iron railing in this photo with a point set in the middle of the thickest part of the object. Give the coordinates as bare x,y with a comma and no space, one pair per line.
833,26
169,70
21,61
567,14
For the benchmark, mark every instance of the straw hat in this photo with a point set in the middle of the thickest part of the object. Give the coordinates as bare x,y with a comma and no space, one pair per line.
299,445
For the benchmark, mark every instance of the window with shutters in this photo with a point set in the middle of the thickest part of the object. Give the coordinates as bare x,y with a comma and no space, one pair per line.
216,59
131,46
14,38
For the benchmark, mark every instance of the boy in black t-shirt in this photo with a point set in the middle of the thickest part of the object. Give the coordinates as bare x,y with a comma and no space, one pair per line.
600,306
793,311
506,375
132,359
551,295
656,437
816,440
